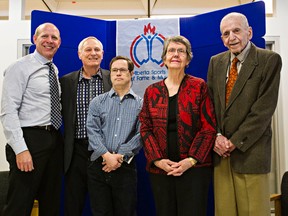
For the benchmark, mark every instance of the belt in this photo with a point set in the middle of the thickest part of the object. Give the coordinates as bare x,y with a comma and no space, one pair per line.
46,127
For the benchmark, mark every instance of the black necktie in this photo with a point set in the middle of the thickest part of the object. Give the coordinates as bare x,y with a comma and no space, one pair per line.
55,100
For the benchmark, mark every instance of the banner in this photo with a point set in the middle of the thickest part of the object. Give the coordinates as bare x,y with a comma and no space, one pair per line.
142,41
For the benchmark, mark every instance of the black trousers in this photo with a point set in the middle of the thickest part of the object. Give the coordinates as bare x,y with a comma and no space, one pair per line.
44,182
114,193
76,189
185,195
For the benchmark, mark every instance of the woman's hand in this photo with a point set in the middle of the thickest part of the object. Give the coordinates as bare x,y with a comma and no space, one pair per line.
180,167
165,164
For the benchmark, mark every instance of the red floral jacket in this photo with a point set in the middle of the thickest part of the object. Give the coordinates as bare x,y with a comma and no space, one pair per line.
195,122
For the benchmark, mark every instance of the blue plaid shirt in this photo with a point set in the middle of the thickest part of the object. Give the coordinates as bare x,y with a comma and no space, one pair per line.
113,124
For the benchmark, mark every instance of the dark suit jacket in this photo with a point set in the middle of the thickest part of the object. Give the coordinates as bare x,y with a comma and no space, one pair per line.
246,120
68,99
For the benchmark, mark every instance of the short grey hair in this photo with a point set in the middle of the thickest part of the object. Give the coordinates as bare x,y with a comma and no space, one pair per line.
177,39
80,46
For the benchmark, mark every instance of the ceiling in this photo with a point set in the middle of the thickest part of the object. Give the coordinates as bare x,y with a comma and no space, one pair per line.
118,9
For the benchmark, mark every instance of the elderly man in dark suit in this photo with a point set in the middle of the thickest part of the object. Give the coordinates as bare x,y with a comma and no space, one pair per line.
244,111
78,89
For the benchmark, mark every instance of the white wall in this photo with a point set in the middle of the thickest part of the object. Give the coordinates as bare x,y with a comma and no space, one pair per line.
13,30
276,27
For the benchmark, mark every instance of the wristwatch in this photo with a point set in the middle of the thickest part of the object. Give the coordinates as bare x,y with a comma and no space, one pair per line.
127,158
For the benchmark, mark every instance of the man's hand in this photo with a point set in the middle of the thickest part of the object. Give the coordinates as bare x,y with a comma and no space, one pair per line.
111,161
231,146
24,161
222,146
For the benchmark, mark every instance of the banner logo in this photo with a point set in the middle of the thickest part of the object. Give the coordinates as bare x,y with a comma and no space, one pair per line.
147,39
142,40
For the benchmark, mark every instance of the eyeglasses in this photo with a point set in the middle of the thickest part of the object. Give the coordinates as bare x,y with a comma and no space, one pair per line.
121,70
180,51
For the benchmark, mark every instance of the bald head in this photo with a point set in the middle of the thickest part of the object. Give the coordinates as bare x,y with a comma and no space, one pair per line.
235,32
235,16
47,40
40,28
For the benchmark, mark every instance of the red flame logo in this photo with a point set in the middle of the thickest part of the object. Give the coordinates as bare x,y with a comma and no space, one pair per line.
148,29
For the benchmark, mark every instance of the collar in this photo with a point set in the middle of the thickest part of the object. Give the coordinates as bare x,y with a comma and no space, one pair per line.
242,56
41,58
130,93
99,74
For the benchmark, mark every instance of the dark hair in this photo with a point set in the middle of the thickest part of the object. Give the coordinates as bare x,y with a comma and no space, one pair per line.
129,62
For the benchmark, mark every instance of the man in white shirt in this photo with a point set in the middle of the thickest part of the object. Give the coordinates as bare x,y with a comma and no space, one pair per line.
34,149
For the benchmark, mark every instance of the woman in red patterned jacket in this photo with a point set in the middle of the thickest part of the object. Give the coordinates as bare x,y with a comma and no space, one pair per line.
178,131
